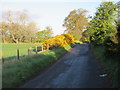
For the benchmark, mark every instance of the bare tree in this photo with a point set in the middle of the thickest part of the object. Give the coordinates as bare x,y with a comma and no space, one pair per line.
19,25
3,31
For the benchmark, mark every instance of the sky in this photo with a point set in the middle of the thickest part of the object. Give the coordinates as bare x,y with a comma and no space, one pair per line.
50,12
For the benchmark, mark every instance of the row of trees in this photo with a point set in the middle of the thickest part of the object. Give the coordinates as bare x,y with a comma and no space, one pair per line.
103,29
16,26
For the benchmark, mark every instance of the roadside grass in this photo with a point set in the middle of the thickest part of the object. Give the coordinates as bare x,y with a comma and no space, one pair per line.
0,75
14,73
109,64
9,51
79,42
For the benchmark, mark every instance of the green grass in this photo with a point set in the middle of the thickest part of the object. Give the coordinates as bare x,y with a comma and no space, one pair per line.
110,64
16,72
9,51
0,75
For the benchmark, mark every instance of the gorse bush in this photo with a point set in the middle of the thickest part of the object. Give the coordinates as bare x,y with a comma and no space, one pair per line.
58,41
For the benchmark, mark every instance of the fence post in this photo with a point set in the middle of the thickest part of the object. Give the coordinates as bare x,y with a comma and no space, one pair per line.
28,52
18,54
36,49
2,59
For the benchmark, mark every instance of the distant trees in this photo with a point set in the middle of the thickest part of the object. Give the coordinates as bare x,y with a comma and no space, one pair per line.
85,36
3,31
75,23
44,34
17,27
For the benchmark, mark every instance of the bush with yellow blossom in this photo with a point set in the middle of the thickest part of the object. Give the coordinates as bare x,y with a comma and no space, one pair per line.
58,41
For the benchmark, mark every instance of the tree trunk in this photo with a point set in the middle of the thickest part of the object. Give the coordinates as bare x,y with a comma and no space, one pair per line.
20,39
3,39
31,39
15,40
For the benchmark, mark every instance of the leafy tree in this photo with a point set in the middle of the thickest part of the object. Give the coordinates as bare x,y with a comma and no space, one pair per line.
44,34
118,28
75,22
103,25
118,38
30,34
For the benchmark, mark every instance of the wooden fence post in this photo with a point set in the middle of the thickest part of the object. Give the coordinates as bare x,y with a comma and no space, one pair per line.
36,49
28,52
18,54
2,59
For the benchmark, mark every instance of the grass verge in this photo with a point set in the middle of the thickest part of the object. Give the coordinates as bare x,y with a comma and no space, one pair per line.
14,73
110,65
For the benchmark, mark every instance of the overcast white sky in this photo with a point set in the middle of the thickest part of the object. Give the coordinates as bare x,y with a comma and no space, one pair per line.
51,12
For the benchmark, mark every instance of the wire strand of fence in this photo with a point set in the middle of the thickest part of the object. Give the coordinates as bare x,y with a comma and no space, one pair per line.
31,51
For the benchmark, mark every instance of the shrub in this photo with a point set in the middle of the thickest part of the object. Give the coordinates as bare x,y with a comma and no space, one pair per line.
111,46
58,41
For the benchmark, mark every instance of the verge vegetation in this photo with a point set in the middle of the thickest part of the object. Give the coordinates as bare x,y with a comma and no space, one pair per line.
103,33
109,65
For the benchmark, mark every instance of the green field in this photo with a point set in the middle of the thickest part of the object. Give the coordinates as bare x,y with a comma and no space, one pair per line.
9,51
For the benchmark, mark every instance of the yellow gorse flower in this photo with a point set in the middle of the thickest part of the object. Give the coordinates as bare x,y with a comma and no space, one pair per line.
58,41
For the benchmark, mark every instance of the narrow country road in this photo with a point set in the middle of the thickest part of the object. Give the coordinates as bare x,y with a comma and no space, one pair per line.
77,69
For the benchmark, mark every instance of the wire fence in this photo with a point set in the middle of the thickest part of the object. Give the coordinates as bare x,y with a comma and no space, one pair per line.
30,52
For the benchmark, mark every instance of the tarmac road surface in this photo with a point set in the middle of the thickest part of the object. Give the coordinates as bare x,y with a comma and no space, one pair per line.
76,69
